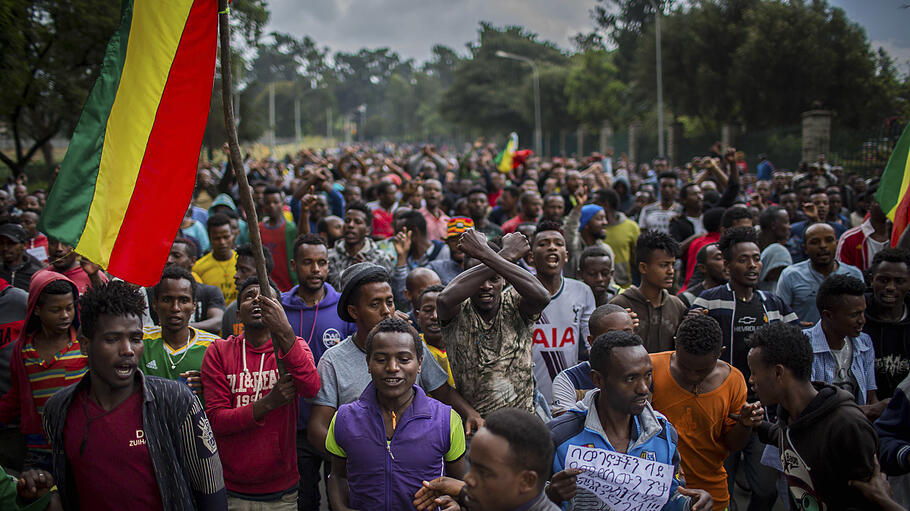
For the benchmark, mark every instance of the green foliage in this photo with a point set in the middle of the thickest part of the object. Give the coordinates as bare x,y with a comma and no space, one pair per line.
594,90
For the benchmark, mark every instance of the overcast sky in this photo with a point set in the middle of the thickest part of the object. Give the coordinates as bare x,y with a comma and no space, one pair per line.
412,27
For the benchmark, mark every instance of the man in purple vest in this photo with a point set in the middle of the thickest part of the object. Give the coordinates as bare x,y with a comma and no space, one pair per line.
394,437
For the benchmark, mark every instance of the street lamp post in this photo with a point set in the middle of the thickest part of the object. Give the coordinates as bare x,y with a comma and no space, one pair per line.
660,82
538,132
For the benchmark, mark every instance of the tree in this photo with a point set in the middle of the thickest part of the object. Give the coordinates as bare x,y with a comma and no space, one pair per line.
52,52
594,92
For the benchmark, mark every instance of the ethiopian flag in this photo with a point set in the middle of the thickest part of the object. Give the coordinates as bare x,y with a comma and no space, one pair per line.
892,194
503,160
129,172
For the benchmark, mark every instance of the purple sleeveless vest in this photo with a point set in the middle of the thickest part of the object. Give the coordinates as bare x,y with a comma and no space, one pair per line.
385,476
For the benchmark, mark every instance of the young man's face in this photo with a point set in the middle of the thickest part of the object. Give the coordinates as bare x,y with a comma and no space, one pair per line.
658,271
311,262
890,284
531,207
820,243
714,264
554,208
847,316
628,380
821,204
174,304
477,205
56,312
780,229
62,255
493,483
488,296
246,268
221,238
334,230
455,253
432,193
273,205
549,252
427,319
744,265
597,273
597,226
788,202
29,222
356,227
393,364
763,188
249,307
11,251
179,256
668,190
765,378
114,350
374,303
693,199
693,369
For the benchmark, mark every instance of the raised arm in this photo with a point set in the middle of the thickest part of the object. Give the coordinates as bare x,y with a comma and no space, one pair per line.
534,297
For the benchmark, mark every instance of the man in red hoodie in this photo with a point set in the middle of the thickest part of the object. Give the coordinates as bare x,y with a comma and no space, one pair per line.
45,358
253,409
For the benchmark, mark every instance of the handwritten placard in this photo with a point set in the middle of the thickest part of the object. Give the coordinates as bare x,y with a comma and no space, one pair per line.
621,481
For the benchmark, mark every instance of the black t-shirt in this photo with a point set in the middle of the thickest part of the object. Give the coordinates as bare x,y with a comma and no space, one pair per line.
748,317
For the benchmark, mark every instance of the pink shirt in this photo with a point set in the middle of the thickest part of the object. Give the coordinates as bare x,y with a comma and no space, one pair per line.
436,226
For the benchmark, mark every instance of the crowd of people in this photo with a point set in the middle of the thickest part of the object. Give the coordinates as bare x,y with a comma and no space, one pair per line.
436,332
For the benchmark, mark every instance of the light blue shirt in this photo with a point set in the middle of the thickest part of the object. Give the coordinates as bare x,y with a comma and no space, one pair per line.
798,286
862,367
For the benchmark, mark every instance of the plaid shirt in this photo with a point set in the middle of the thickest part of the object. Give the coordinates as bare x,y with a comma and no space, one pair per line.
339,260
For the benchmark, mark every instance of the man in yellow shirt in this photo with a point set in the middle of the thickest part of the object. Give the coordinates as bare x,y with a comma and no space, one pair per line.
217,268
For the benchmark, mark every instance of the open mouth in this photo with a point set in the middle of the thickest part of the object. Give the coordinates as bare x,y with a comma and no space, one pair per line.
485,298
124,370
393,381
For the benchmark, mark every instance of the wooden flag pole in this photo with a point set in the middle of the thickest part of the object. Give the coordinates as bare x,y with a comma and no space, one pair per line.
246,195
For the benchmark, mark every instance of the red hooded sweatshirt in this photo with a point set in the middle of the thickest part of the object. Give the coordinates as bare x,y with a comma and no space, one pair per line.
257,457
18,401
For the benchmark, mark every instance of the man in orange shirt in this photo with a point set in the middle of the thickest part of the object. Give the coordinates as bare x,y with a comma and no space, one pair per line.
705,398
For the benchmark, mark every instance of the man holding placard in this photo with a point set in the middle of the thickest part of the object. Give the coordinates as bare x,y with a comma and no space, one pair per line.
615,448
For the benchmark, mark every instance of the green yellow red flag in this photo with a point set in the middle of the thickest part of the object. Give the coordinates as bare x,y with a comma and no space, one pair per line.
129,172
503,160
892,194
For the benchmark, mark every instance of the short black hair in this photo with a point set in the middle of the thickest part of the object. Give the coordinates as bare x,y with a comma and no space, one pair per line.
652,240
271,189
530,441
699,335
712,219
474,190
592,251
890,255
413,220
734,236
308,238
607,196
246,250
191,249
216,220
432,288
369,279
548,225
734,213
512,189
602,348
56,287
359,206
836,286
174,272
768,217
701,257
784,344
668,174
684,191
383,186
395,325
115,298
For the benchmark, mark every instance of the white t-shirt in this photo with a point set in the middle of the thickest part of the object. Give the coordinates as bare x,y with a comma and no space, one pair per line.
562,325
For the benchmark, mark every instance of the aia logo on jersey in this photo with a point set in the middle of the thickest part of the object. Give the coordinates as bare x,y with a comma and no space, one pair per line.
331,337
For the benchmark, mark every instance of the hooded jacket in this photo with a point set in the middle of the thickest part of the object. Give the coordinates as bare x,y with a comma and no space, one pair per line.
18,401
829,444
259,457
891,342
658,325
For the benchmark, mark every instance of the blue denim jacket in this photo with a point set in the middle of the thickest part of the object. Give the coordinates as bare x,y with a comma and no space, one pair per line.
824,365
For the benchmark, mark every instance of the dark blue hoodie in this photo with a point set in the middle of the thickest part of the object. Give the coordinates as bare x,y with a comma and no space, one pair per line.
320,326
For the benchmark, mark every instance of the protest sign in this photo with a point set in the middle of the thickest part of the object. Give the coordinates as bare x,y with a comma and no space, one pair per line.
623,482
